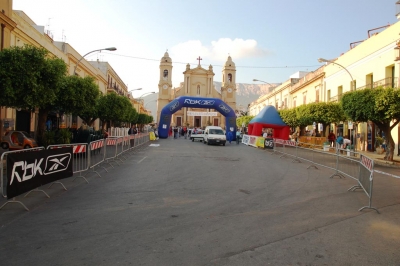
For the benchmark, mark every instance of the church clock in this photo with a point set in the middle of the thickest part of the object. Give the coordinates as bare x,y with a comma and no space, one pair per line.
229,90
165,86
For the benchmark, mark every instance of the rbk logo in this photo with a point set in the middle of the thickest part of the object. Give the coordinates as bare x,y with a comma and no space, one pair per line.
22,170
224,108
174,105
200,102
57,163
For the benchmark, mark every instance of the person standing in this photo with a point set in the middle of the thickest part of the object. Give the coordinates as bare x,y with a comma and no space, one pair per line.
331,138
230,136
170,132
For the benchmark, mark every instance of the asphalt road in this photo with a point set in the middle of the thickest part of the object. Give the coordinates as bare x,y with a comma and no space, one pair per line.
186,203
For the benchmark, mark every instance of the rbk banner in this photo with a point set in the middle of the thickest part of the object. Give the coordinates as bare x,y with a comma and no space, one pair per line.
29,170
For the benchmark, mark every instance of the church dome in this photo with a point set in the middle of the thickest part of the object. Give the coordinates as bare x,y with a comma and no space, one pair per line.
229,62
166,58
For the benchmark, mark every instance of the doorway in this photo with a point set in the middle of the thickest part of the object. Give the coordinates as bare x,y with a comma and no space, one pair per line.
197,121
23,121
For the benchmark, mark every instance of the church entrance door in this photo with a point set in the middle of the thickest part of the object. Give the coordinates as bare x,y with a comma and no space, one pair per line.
197,121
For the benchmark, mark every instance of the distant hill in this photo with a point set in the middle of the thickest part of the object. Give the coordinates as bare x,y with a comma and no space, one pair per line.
246,93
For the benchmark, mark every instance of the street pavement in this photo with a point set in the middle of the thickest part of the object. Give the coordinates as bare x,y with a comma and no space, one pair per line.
186,203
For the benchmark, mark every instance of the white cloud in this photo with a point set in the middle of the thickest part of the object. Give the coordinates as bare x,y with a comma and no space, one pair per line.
217,50
215,53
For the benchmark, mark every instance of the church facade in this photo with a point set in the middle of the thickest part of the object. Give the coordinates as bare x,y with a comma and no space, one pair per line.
197,82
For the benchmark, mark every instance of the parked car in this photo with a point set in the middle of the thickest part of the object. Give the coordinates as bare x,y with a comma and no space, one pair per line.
17,140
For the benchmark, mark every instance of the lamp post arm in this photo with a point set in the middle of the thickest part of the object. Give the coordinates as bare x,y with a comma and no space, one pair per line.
348,72
352,80
77,63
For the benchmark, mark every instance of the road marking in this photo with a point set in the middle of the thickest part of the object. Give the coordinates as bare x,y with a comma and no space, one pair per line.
142,159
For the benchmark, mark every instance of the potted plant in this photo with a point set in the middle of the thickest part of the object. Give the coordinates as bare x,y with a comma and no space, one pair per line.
326,146
378,145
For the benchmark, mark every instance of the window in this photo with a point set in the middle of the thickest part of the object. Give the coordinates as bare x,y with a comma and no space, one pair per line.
229,78
2,37
216,122
317,95
369,81
294,102
198,89
305,98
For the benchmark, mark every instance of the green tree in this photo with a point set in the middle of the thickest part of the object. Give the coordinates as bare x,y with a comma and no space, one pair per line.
289,116
379,105
243,119
79,96
113,107
30,78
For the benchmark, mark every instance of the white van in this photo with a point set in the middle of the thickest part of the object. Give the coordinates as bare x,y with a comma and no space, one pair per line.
214,135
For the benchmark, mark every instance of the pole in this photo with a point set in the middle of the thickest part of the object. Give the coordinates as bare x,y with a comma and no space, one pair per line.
98,50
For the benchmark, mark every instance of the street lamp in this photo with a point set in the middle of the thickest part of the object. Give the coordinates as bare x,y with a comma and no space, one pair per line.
144,95
262,81
138,89
322,60
98,50
148,103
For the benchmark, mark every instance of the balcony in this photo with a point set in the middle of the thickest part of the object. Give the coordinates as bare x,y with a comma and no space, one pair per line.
336,98
386,82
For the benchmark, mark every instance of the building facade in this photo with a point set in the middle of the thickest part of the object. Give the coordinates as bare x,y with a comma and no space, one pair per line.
17,29
372,63
198,82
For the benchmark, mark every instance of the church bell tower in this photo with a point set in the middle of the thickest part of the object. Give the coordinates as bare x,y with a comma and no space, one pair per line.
228,88
165,83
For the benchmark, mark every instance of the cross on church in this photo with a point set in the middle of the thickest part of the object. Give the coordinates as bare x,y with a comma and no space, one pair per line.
199,59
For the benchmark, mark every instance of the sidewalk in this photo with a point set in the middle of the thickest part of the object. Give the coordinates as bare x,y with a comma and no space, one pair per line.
379,159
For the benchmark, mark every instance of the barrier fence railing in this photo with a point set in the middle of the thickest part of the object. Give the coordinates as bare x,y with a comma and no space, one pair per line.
80,158
3,176
85,156
111,150
365,180
97,155
344,162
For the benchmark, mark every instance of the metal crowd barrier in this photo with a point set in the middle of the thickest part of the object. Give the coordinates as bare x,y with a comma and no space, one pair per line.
365,180
97,155
112,149
343,161
85,156
80,159
3,177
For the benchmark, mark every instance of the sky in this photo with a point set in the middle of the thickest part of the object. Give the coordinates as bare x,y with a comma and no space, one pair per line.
268,40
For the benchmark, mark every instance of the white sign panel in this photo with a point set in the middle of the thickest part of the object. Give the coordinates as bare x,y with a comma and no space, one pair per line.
350,125
191,113
320,127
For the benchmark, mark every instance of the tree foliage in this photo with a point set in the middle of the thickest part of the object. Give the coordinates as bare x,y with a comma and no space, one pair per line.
79,96
31,78
243,120
379,105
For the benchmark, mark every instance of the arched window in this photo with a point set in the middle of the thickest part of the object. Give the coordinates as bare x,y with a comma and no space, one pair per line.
165,76
198,89
229,77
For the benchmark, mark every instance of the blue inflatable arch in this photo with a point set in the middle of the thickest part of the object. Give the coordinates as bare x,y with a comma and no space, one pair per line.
195,102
